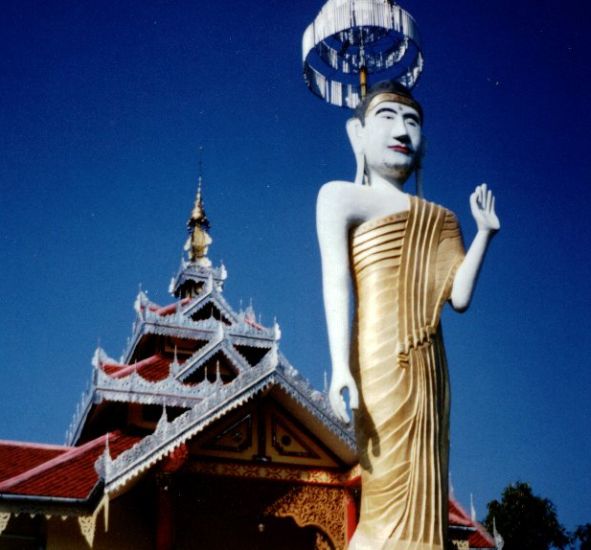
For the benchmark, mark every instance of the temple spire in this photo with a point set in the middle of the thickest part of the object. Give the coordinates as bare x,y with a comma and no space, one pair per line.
198,225
196,274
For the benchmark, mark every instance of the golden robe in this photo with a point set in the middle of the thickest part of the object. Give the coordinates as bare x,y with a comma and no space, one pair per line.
403,265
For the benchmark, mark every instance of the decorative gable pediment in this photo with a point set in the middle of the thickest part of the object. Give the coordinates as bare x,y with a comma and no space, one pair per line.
287,430
264,432
218,366
210,305
216,359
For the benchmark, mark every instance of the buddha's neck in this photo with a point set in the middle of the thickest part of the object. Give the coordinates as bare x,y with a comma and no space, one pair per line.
387,184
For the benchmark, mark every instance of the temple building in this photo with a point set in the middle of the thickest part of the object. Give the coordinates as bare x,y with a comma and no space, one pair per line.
201,436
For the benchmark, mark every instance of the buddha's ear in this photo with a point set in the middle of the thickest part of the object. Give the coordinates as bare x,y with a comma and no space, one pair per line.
355,133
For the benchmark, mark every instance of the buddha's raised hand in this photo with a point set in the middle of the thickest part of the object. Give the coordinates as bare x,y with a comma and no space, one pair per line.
482,204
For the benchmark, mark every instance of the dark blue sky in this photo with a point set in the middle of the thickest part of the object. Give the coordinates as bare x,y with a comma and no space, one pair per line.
103,106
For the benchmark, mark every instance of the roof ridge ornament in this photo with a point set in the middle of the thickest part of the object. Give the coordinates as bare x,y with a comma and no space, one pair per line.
162,427
274,354
276,330
208,284
175,365
141,301
249,313
104,462
100,357
220,333
218,376
178,312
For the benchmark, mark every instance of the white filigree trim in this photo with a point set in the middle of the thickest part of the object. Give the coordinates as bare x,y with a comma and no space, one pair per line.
87,523
141,302
210,294
197,272
100,357
4,519
220,344
103,463
137,384
87,528
169,435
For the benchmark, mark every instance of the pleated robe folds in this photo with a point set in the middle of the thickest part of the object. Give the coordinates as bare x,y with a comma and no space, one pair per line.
403,265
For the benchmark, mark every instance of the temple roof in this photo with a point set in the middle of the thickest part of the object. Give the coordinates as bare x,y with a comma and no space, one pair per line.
479,538
58,472
153,368
17,457
178,351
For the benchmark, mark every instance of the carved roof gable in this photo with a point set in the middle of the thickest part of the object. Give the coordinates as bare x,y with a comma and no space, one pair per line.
281,380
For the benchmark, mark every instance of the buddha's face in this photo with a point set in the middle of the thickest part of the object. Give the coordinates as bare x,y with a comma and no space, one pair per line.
390,140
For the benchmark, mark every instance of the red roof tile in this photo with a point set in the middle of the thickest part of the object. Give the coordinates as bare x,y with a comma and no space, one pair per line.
481,539
253,324
153,368
157,368
165,310
171,308
70,474
112,369
458,516
17,457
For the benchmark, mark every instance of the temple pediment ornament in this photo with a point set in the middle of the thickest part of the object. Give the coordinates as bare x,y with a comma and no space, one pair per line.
219,344
169,435
210,296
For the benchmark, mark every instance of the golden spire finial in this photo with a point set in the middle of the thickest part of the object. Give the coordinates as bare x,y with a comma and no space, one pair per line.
197,226
198,212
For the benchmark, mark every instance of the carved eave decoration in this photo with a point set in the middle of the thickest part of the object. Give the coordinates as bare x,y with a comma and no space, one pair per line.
177,325
136,389
293,390
86,512
51,506
180,325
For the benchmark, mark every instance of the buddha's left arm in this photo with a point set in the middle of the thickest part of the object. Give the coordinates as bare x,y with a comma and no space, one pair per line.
482,204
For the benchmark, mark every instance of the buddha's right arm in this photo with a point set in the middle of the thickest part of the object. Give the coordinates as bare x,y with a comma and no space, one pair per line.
332,227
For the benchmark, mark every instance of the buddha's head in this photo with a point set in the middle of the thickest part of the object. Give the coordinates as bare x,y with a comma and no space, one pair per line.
386,133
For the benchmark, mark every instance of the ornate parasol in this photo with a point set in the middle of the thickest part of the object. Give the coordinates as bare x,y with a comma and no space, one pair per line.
353,44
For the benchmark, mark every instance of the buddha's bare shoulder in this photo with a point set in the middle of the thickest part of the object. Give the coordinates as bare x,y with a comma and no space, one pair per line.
339,190
338,197
341,202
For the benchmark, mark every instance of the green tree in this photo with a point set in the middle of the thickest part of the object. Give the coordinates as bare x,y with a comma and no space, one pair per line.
526,521
583,536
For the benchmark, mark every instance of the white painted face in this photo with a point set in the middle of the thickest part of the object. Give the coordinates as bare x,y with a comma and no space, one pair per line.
390,140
